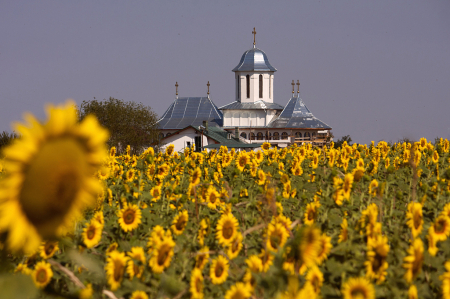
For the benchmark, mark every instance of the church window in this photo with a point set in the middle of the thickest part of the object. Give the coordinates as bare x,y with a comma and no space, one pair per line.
259,136
244,135
252,136
168,134
298,135
248,86
284,136
307,135
260,86
276,136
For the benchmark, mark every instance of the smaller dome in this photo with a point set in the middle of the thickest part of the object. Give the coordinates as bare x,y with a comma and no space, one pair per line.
254,60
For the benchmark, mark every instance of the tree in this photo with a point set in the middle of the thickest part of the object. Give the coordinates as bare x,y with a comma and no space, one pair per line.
129,123
341,140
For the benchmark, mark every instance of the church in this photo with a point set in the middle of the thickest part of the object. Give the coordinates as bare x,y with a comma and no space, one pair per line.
250,120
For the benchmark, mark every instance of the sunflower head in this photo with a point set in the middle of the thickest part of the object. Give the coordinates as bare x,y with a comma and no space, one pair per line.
219,270
42,274
129,217
358,288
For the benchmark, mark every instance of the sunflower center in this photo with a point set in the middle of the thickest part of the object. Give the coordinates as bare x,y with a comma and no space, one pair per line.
52,182
118,270
128,216
198,285
90,234
49,248
358,292
439,227
218,270
417,220
200,260
275,240
163,255
212,198
181,223
311,214
228,230
238,295
41,275
377,262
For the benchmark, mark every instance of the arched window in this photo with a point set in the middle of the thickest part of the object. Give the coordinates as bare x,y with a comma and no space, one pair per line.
161,136
260,86
252,136
244,135
276,136
259,136
307,135
168,134
269,136
248,86
284,136
298,135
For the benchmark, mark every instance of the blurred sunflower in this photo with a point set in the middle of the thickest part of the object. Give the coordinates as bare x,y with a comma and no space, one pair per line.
254,264
261,177
446,281
92,233
325,248
201,259
218,271
48,249
412,292
277,236
195,176
440,229
42,274
179,222
376,264
358,288
314,277
309,246
373,187
156,193
347,185
235,247
129,176
226,229
50,177
196,284
242,160
266,258
414,260
129,217
136,263
343,236
202,231
98,216
415,218
357,173
265,147
432,244
139,295
115,268
212,197
162,255
238,291
310,214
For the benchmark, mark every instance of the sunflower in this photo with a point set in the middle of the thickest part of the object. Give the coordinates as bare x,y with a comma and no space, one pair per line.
50,177
136,264
202,257
129,175
315,278
242,160
86,293
202,231
347,185
139,295
373,187
48,249
309,246
162,255
265,147
446,281
212,197
112,247
297,170
266,258
325,248
338,193
162,171
376,264
310,214
98,216
276,236
343,236
235,247
440,228
219,270
115,268
254,263
261,177
156,193
129,217
42,274
415,218
226,229
238,291
92,233
179,222
357,173
195,176
315,161
196,284
412,292
358,288
413,262
432,244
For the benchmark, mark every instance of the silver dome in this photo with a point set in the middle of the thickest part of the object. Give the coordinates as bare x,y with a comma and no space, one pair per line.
254,60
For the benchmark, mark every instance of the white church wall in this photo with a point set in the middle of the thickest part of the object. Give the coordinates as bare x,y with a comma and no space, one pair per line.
180,140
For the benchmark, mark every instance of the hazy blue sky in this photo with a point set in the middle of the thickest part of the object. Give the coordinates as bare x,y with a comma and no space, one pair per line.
376,70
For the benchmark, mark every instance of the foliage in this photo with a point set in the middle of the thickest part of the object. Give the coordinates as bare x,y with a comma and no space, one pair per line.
343,139
129,123
6,139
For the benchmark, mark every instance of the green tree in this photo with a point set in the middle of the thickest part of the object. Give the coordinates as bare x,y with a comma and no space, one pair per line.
341,140
129,123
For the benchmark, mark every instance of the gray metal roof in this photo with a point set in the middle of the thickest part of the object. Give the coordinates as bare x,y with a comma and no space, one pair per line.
185,112
258,105
254,60
296,115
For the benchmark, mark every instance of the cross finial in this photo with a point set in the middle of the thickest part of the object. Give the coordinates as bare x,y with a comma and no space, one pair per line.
298,86
293,84
176,88
208,86
254,37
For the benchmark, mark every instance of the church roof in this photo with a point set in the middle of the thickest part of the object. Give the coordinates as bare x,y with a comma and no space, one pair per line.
191,111
254,60
259,105
296,115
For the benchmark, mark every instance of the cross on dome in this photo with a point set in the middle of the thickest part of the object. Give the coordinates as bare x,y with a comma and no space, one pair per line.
254,37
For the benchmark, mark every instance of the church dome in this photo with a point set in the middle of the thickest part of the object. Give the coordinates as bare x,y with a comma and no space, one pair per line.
254,60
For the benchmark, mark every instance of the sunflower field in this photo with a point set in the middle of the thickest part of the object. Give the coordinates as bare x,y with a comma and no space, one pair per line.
78,220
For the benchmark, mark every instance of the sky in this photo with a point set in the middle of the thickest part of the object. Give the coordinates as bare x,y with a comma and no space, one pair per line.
374,70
